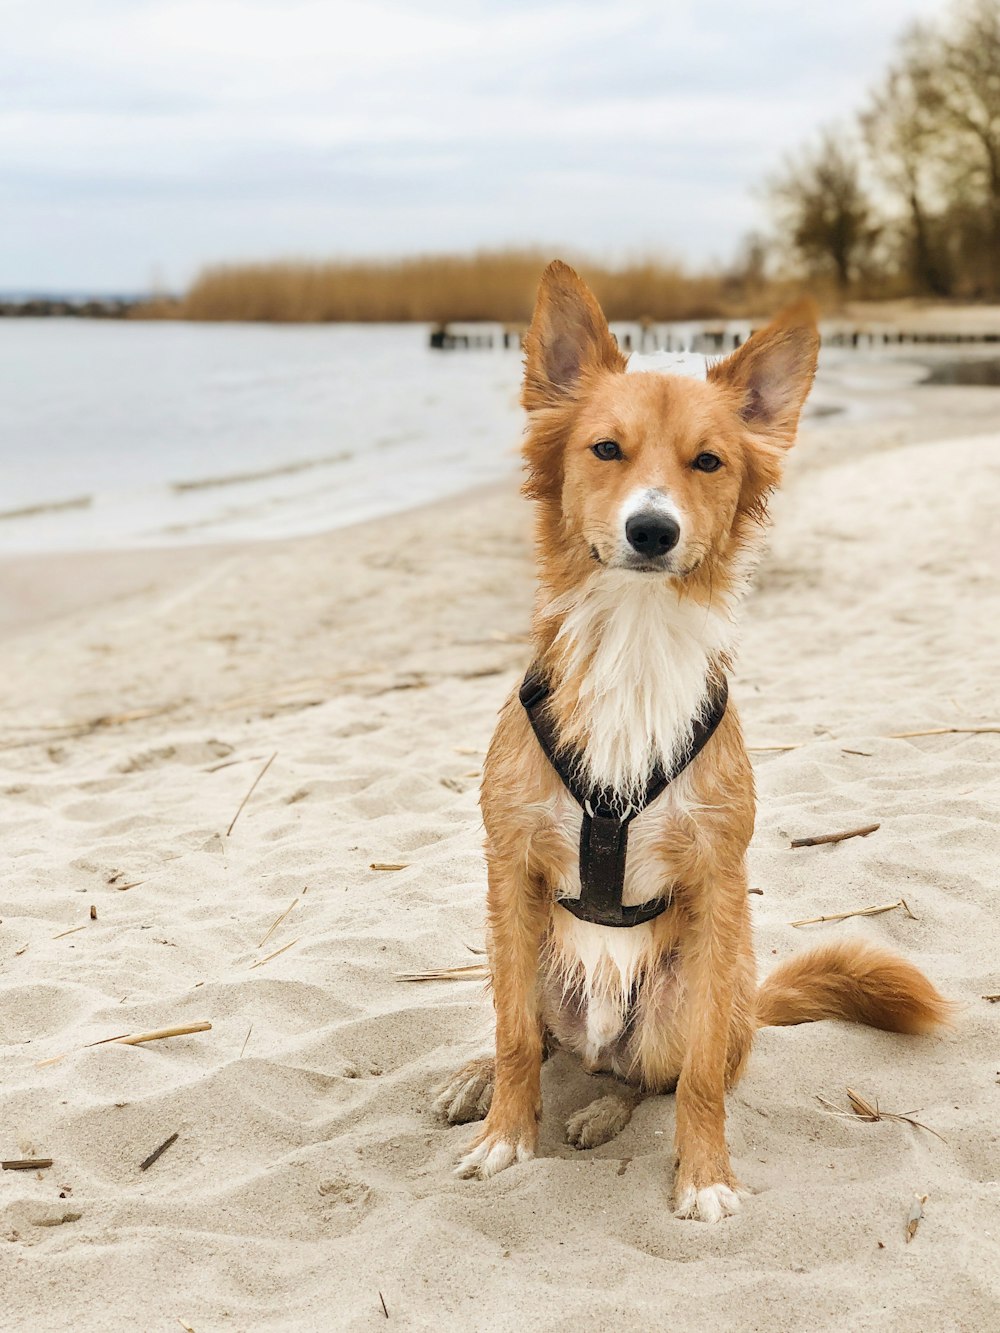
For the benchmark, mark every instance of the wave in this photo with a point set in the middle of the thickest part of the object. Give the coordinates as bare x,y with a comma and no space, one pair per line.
47,507
265,474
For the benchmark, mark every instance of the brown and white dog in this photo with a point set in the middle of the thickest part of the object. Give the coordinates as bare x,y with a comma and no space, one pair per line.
650,494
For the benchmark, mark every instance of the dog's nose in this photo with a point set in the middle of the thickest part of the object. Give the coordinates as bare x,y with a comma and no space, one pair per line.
652,533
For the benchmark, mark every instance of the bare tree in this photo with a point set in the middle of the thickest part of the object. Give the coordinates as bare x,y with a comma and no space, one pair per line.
958,84
907,144
823,209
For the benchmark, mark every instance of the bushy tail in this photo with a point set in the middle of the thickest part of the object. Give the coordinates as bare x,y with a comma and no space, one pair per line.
855,981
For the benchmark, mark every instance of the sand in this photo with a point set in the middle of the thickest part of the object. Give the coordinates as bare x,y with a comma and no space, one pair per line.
309,1181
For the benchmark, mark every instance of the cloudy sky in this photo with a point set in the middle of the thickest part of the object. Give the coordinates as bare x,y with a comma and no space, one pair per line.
140,139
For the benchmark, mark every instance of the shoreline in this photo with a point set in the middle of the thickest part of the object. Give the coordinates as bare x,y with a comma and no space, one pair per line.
39,586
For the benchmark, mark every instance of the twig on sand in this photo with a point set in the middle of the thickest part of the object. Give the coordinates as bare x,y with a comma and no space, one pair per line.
384,1310
230,763
93,912
865,1110
131,1039
858,911
389,865
465,972
261,961
139,1038
72,931
157,1153
993,999
26,1163
245,1040
253,788
821,838
915,1216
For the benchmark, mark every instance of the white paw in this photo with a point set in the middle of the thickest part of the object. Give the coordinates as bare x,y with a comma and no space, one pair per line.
710,1204
599,1122
467,1096
491,1156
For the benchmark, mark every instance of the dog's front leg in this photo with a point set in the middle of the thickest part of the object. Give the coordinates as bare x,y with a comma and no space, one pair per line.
518,915
705,1187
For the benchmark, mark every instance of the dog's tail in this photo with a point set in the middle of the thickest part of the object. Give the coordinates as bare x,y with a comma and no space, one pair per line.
854,981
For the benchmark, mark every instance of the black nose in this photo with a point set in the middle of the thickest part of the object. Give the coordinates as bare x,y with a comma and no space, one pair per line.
652,533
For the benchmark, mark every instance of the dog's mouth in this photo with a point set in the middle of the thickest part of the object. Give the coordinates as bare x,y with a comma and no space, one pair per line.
636,564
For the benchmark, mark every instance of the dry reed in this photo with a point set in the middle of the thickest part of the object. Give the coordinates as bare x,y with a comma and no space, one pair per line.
489,285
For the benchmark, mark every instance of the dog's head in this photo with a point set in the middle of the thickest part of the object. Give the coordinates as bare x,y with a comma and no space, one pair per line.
647,473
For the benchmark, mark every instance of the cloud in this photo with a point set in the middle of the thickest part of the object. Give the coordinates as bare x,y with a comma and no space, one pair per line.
176,132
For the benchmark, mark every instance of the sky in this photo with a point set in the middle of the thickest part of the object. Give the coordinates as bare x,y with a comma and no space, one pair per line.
142,139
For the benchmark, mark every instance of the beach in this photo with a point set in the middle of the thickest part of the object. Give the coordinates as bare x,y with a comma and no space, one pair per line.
204,753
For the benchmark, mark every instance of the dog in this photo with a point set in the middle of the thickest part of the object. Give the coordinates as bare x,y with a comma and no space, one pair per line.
617,795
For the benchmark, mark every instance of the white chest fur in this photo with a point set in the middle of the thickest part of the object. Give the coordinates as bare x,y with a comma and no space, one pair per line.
641,653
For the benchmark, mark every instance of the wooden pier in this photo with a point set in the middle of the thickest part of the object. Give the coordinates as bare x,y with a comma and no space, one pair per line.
714,338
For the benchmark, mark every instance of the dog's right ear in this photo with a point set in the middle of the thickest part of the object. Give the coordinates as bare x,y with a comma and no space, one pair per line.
568,335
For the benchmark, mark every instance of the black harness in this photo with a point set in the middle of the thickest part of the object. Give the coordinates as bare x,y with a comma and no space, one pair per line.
604,833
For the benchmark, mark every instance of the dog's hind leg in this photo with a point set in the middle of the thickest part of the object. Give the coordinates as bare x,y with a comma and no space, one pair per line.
603,1119
467,1094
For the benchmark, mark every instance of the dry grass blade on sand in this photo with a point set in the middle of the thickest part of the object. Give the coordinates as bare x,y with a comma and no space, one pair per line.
857,911
253,788
990,729
261,961
281,917
131,1039
863,1109
464,972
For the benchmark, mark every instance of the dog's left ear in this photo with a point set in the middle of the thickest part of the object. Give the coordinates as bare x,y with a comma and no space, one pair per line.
772,373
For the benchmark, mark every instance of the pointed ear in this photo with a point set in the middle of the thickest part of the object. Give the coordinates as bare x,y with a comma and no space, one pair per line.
773,371
568,335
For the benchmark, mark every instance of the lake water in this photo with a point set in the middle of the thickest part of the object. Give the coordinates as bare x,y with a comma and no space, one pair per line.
125,433
130,433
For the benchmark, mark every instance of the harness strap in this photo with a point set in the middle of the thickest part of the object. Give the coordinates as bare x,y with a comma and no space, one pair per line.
604,829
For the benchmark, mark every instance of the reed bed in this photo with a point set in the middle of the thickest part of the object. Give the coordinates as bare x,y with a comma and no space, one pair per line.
490,285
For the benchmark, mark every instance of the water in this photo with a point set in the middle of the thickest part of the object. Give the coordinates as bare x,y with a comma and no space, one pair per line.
979,374
126,433
138,434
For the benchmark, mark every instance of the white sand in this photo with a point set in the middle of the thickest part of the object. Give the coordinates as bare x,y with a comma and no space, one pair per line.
309,1175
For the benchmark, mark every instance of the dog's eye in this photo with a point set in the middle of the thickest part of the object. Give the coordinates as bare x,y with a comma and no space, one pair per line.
607,450
707,463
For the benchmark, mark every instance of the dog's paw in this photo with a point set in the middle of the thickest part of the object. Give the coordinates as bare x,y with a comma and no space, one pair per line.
468,1094
710,1204
492,1154
599,1122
